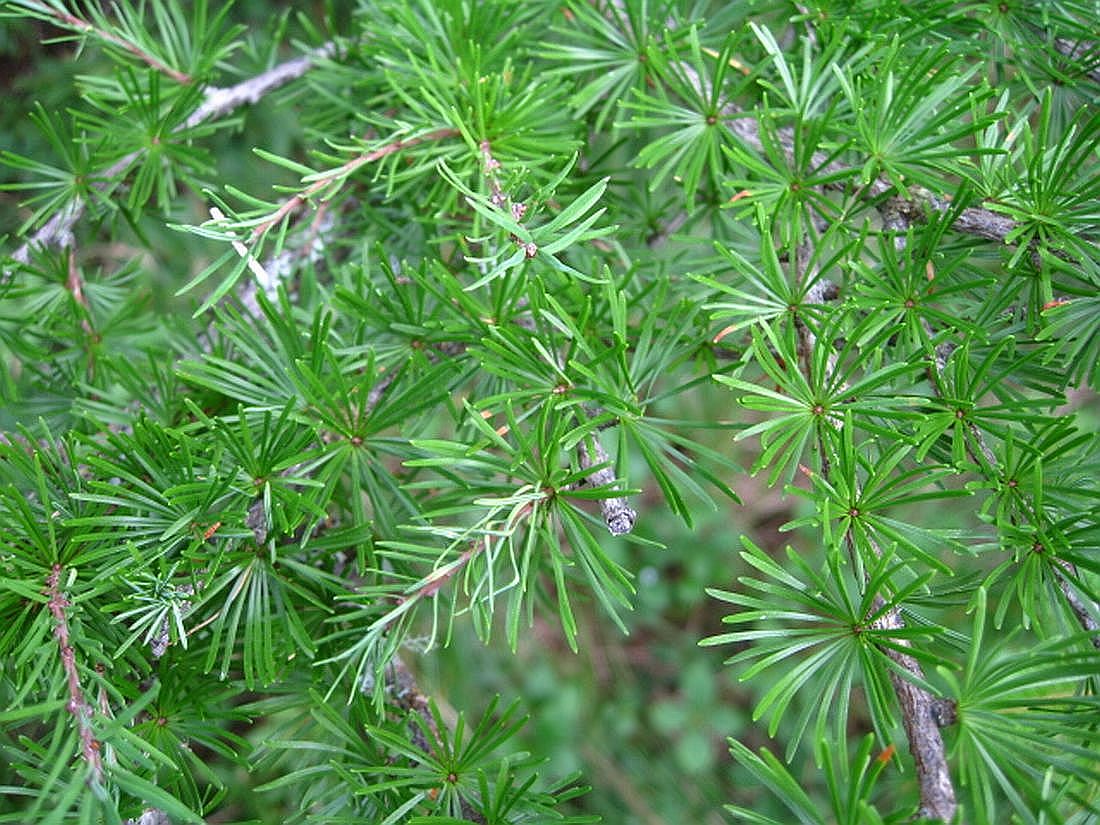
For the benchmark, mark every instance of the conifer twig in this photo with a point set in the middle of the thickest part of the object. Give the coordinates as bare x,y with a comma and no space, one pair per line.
219,102
78,706
974,220
406,693
922,714
67,19
500,198
280,266
300,198
58,230
920,710
1085,617
897,221
254,266
74,282
617,513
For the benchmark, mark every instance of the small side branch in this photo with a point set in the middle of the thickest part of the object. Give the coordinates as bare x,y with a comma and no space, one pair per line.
977,221
299,199
66,19
1085,617
617,513
221,101
500,198
922,713
58,230
922,716
1064,571
74,282
406,694
78,706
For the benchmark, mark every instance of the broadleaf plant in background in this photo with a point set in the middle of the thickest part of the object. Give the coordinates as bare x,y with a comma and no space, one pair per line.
354,357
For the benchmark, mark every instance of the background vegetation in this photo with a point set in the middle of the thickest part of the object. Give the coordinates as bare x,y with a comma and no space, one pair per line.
395,395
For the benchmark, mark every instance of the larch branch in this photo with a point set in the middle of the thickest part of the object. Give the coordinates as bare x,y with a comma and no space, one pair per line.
1064,571
922,713
617,513
78,706
66,19
922,716
58,230
302,197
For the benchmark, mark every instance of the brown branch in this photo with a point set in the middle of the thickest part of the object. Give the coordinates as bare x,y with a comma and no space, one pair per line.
301,198
221,101
926,714
1085,617
74,282
78,706
279,267
977,221
617,513
438,578
407,695
897,216
897,220
67,19
922,713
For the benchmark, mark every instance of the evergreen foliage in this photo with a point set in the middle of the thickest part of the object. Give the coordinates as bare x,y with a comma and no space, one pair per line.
500,287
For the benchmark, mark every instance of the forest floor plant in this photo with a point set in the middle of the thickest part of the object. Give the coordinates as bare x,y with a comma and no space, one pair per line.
276,429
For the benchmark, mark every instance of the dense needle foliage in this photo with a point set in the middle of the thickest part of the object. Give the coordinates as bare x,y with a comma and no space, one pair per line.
336,339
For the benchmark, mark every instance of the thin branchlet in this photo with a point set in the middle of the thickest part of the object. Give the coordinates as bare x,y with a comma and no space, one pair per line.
617,513
896,220
920,710
58,230
65,18
58,605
